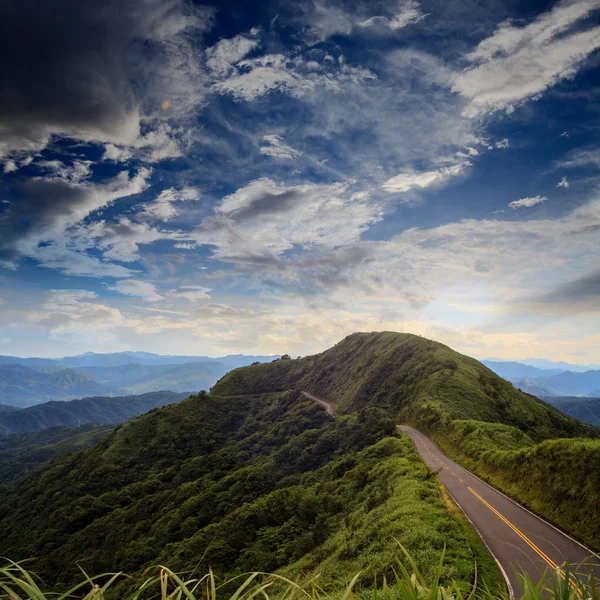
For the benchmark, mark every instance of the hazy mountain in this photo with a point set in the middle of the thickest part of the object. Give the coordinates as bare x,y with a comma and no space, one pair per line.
574,384
99,410
5,408
93,359
516,370
21,385
535,387
138,378
560,365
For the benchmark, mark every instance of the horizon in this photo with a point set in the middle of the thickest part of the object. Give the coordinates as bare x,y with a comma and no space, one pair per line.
231,178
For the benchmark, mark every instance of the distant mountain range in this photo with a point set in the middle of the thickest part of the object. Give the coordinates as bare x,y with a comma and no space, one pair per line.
30,381
74,413
548,382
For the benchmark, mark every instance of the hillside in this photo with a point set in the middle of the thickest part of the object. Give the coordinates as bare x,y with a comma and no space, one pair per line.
22,453
417,380
21,385
269,482
584,409
99,410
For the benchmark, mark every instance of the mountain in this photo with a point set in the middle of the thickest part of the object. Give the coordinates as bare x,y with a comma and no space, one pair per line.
417,380
116,359
574,384
74,413
584,409
535,387
21,454
138,378
21,385
237,483
5,408
516,370
560,365
256,476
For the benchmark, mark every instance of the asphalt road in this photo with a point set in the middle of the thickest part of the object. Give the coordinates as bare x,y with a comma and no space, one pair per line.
519,540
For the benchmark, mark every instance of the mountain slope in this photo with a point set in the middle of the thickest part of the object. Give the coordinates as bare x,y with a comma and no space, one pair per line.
416,379
22,453
24,386
584,409
74,413
269,482
574,384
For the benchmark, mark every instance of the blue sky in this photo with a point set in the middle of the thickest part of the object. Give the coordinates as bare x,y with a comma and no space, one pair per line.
218,178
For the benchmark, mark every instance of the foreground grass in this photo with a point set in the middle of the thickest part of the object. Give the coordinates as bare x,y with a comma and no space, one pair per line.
407,583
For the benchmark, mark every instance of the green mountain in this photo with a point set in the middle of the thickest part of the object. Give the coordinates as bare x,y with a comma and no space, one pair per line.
21,385
268,481
22,453
74,413
255,476
417,380
584,409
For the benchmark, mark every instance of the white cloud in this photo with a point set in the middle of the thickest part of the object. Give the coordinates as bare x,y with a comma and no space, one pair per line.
527,202
266,219
192,293
288,74
563,183
275,147
162,208
424,179
222,57
186,245
518,63
10,166
407,13
139,289
578,158
79,171
502,144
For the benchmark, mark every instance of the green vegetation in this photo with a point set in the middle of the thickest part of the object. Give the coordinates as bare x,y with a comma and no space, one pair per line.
99,410
256,476
265,482
22,453
416,380
584,409
406,583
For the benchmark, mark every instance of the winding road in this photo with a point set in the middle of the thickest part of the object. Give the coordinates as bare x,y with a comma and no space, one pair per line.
519,540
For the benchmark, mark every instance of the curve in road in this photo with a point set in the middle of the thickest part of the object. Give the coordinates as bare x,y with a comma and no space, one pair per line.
519,540
327,405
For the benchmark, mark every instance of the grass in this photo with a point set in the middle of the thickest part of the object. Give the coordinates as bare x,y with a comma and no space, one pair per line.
406,583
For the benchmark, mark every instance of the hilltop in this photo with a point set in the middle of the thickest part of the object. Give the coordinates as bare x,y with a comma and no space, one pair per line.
417,380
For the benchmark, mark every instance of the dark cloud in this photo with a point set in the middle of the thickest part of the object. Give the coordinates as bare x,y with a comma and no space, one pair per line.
268,203
579,296
85,68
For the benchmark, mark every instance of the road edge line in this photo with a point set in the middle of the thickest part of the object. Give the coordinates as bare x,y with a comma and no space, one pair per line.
513,500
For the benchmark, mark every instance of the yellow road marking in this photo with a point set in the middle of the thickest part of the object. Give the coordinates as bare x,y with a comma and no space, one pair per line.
546,558
460,480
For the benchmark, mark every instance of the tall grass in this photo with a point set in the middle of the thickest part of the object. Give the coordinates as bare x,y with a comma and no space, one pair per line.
160,583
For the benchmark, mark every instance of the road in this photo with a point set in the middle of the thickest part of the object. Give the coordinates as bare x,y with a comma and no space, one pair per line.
516,537
327,406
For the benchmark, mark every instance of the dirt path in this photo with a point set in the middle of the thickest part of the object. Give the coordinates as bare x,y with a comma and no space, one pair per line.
327,406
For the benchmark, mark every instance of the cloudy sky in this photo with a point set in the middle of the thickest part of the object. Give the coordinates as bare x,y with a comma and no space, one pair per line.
269,177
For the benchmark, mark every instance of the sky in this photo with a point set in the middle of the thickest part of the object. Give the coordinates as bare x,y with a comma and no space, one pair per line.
258,178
